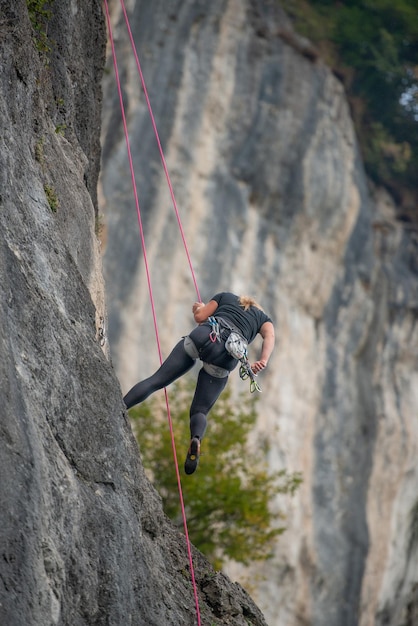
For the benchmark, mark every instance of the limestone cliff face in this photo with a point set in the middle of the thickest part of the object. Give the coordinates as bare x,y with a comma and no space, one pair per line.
274,201
83,539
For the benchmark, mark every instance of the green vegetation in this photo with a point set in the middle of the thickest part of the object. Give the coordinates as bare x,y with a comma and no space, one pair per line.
52,197
39,152
39,14
373,46
60,129
49,190
228,498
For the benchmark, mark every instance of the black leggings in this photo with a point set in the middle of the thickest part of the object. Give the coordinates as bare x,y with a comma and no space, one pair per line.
208,388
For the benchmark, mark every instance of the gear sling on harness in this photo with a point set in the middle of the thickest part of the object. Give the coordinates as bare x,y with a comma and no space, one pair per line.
237,347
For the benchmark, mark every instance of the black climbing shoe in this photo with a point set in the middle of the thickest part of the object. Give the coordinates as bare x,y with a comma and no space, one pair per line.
192,458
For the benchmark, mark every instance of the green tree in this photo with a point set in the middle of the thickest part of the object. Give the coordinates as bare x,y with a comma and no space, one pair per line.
228,499
373,46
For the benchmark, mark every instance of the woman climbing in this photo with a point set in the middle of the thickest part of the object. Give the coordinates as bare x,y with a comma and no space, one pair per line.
226,322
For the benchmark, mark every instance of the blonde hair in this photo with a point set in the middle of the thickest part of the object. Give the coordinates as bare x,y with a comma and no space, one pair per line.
247,301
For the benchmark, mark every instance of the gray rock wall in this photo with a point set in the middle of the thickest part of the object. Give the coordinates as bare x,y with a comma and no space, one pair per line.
83,539
274,200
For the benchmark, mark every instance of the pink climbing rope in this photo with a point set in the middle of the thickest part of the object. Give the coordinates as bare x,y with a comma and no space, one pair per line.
154,125
138,210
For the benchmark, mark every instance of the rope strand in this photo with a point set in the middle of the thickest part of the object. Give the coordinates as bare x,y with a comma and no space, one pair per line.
138,210
164,163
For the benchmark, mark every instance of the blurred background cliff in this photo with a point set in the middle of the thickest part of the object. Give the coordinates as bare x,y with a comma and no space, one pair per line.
291,141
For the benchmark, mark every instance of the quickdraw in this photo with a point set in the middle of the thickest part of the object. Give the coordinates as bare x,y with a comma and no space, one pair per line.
245,372
215,334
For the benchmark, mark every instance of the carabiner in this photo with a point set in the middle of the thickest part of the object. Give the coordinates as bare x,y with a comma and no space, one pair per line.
215,334
243,372
254,386
213,337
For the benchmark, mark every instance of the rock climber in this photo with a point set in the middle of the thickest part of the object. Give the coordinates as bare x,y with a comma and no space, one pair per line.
225,316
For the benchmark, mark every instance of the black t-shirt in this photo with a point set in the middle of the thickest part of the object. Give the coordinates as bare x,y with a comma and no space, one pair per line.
248,322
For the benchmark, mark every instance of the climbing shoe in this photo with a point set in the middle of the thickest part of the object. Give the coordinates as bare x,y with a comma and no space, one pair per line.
192,458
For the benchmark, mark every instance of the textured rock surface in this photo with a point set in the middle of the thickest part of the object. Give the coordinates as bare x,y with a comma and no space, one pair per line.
274,200
83,539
